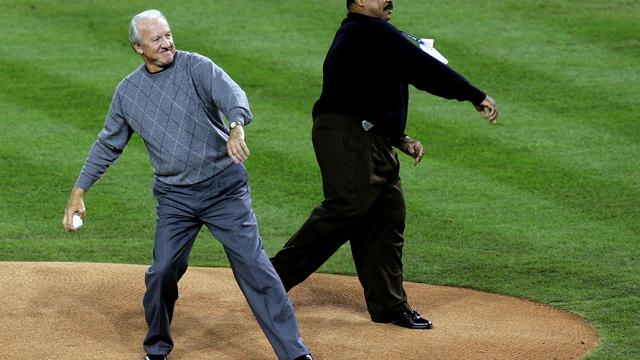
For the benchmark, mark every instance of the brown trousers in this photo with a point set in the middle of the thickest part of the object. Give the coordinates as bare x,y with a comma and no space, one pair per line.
363,204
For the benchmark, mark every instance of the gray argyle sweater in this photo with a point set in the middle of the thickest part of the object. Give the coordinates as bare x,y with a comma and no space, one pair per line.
179,113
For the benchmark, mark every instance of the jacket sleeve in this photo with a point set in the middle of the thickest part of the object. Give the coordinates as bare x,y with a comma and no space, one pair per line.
428,74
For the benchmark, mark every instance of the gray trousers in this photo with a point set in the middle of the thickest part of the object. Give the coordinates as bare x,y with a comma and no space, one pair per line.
223,204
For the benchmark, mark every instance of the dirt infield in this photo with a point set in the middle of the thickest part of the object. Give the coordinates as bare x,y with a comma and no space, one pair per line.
94,311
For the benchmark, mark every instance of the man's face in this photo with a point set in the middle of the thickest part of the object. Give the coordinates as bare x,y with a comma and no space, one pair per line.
156,45
380,9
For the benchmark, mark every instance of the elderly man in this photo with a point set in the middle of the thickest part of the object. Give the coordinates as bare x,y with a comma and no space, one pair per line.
359,118
176,102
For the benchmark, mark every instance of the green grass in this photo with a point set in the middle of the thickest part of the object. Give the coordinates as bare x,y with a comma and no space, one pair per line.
544,206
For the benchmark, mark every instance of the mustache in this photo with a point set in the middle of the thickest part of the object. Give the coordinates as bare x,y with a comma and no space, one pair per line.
389,6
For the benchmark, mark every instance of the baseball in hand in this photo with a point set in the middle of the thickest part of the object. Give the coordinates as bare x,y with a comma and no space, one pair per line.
77,221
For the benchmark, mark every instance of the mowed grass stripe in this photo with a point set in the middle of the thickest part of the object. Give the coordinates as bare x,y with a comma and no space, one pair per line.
547,89
40,189
574,179
550,50
65,100
613,27
478,214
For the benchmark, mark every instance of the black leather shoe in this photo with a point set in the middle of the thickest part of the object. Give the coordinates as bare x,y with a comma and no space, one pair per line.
156,357
411,319
304,357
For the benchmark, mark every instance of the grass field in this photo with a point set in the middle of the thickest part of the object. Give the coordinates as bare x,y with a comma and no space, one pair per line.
543,206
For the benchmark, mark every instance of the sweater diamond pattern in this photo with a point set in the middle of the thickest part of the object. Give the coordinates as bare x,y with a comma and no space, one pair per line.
179,116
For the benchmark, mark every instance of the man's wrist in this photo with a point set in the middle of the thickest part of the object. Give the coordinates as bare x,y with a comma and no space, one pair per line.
78,191
235,124
405,140
398,141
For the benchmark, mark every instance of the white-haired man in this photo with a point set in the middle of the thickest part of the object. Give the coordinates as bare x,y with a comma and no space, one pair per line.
176,102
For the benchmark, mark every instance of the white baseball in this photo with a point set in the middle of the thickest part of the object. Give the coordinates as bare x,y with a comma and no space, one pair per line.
77,221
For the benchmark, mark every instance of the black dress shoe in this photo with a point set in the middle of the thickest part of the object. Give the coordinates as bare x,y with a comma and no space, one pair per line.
156,357
411,319
304,357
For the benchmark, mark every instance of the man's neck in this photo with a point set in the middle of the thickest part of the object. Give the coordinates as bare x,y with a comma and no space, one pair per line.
357,10
360,11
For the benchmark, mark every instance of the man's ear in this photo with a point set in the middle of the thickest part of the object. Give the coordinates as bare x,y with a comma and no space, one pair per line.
137,48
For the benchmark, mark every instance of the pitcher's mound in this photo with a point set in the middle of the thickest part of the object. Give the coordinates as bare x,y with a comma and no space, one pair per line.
94,311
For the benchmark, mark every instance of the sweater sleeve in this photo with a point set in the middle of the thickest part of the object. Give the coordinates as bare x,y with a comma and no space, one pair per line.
111,141
225,94
428,74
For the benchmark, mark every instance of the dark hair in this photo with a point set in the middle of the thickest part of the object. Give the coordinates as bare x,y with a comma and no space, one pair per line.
350,2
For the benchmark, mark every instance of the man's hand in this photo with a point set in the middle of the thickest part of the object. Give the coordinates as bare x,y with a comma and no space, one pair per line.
75,205
236,147
413,148
488,109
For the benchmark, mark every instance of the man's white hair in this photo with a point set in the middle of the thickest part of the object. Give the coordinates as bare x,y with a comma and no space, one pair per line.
134,35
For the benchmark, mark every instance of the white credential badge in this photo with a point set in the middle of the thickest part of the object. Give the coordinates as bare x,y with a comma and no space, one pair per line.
427,46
